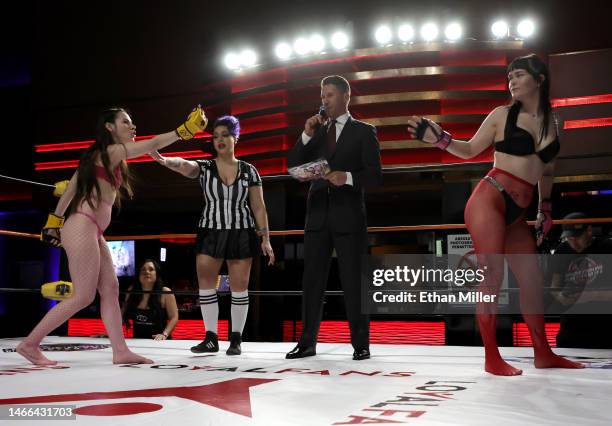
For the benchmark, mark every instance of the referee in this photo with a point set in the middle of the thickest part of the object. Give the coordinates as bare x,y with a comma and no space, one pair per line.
226,230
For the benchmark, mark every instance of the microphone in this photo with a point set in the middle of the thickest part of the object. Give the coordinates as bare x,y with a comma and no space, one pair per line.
322,113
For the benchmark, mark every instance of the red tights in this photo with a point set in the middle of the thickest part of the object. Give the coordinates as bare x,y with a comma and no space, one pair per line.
493,239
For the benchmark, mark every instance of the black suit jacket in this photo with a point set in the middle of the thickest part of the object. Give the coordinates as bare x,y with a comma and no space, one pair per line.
357,151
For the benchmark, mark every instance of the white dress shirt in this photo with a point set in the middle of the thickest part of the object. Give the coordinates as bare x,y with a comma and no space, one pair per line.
340,122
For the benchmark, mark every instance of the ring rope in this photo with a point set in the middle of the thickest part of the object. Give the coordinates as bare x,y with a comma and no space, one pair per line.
371,229
27,181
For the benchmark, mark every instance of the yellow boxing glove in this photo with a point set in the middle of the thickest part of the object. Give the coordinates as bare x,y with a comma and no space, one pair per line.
57,290
51,231
60,187
196,122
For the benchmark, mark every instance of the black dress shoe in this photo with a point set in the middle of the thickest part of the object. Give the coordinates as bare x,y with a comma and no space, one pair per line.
301,352
361,354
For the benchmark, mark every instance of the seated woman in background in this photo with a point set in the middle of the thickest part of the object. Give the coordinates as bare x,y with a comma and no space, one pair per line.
152,315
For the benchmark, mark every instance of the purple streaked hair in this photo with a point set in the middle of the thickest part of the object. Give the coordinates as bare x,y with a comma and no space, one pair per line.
232,124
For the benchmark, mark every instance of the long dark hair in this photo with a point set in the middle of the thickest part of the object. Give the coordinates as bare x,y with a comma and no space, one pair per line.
154,299
536,67
87,183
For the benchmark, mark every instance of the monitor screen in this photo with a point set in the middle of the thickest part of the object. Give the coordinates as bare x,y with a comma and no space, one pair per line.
123,257
223,283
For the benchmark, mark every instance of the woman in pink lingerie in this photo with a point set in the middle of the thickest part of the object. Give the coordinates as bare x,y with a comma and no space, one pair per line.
101,180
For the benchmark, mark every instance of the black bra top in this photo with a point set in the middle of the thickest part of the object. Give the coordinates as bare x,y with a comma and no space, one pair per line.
518,141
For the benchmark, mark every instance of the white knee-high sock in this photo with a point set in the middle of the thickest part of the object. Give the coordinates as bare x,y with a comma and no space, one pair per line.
209,305
240,308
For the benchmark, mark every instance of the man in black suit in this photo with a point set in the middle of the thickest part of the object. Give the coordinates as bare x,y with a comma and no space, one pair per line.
335,212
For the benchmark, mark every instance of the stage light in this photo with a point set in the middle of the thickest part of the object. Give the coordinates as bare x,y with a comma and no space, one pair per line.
339,40
317,43
525,28
429,31
383,34
453,31
283,51
500,29
405,33
232,61
248,58
301,46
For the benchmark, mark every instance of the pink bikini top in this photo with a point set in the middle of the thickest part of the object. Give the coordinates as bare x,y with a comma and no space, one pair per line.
101,174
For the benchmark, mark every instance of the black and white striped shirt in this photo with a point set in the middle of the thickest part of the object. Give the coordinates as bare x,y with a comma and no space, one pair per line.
226,207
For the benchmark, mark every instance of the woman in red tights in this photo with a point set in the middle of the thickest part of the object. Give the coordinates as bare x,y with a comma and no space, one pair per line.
92,191
526,144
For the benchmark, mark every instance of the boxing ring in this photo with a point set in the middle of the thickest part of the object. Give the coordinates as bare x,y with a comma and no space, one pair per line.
401,383
427,385
404,383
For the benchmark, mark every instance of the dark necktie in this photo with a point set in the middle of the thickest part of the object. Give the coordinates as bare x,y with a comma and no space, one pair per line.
331,137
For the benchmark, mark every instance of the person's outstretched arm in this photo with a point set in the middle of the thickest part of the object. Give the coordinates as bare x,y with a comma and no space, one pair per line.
187,168
195,122
435,135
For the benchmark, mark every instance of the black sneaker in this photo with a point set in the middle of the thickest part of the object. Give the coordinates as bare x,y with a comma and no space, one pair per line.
209,344
235,341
